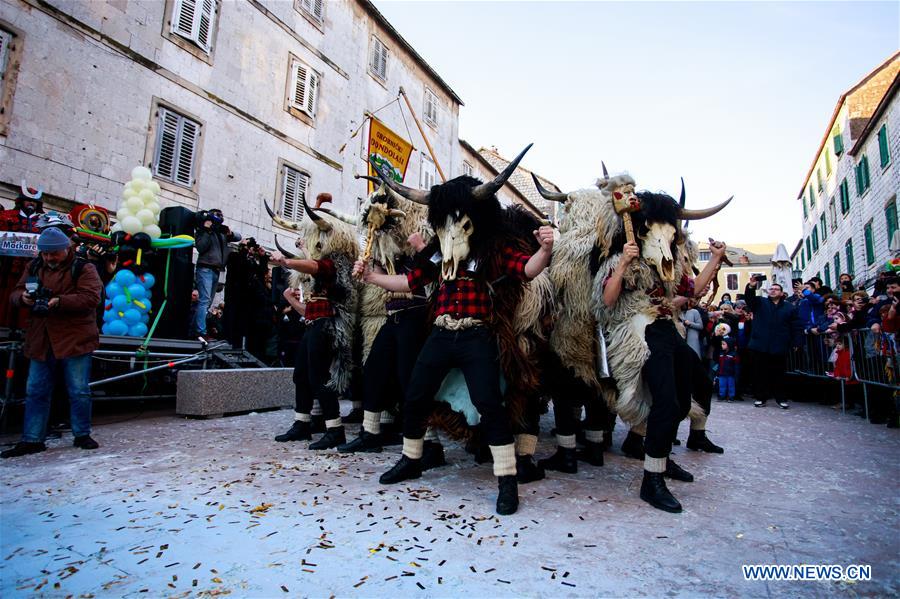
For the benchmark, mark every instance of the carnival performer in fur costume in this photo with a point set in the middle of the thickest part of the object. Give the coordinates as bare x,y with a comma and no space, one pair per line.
473,261
324,362
638,287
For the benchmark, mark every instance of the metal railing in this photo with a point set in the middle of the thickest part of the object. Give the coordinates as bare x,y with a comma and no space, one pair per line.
860,356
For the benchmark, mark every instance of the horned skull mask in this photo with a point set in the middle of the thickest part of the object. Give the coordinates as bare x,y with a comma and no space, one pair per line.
453,238
657,242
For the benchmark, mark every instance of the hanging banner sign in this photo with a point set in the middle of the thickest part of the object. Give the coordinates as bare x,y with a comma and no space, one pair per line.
21,245
387,149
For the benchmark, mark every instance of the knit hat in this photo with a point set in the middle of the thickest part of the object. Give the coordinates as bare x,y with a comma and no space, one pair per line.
52,239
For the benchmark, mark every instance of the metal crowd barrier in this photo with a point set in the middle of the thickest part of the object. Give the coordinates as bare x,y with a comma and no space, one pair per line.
872,361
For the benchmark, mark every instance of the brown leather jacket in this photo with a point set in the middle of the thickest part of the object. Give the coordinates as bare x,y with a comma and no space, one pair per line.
70,328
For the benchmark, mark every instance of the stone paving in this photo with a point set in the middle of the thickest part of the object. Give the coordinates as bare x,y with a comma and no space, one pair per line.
177,508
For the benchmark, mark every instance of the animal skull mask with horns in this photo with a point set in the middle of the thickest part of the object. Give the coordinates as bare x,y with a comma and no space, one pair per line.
461,212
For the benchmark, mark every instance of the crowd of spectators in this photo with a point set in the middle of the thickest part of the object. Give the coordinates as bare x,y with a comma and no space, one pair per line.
750,342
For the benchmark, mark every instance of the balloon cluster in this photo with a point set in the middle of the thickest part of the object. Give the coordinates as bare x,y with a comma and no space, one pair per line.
139,212
127,307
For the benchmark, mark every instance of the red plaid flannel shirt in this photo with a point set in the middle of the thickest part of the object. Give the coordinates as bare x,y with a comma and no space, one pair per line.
658,294
324,281
467,297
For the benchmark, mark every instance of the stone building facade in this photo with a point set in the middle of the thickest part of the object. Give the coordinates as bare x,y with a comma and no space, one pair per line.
230,103
849,195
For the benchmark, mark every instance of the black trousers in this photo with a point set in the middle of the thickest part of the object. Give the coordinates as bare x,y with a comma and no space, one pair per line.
768,375
570,392
312,370
474,351
390,363
669,373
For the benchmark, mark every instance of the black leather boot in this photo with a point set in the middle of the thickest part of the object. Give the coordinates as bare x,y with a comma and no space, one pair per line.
405,469
508,495
655,492
299,431
698,441
366,442
527,471
432,455
592,453
354,417
331,439
633,446
564,460
23,448
676,472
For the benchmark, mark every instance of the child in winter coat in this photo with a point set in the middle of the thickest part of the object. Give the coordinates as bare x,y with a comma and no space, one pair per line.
728,364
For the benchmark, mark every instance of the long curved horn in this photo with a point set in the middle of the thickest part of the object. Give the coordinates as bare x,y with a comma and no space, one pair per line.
36,196
553,196
350,220
605,172
396,213
288,254
486,190
413,195
685,214
280,221
682,199
374,180
318,220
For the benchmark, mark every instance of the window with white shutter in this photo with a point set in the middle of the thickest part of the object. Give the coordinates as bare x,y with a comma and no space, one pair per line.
194,20
176,148
428,176
378,56
467,169
293,194
5,40
431,108
304,87
314,8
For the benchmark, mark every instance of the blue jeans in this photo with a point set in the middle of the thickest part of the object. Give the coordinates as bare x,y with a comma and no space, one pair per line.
205,279
726,387
77,372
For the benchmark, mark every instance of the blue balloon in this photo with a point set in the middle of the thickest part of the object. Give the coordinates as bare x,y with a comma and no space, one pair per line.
105,328
145,318
137,291
137,330
146,303
120,303
147,280
113,289
109,316
117,327
132,316
125,278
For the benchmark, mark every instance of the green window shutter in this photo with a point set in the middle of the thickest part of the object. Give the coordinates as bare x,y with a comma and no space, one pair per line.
864,164
857,171
815,239
805,211
837,266
824,226
808,250
890,217
827,275
827,161
820,180
849,255
845,196
883,146
838,144
812,198
803,258
870,244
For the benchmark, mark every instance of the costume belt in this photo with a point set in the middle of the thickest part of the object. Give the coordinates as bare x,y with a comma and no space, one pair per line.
448,323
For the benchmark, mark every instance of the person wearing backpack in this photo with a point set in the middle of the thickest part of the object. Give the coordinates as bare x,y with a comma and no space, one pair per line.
62,292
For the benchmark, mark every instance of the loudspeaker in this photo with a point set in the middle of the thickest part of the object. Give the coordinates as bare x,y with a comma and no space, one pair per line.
176,320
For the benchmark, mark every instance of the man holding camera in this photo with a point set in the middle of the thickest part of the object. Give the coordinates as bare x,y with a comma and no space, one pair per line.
211,240
62,293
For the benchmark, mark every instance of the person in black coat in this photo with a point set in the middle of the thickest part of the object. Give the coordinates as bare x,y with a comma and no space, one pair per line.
776,331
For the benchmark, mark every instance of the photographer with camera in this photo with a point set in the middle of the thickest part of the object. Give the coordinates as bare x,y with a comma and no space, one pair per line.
211,240
249,314
62,293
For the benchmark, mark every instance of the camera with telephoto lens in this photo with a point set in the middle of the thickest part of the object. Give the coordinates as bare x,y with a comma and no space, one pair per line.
41,296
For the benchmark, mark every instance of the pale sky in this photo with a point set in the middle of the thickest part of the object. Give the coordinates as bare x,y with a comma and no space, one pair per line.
734,97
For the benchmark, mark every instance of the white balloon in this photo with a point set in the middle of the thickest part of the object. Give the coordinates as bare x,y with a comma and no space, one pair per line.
116,227
127,193
134,204
147,195
153,231
146,217
129,186
141,172
153,186
153,207
138,184
132,225
123,213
